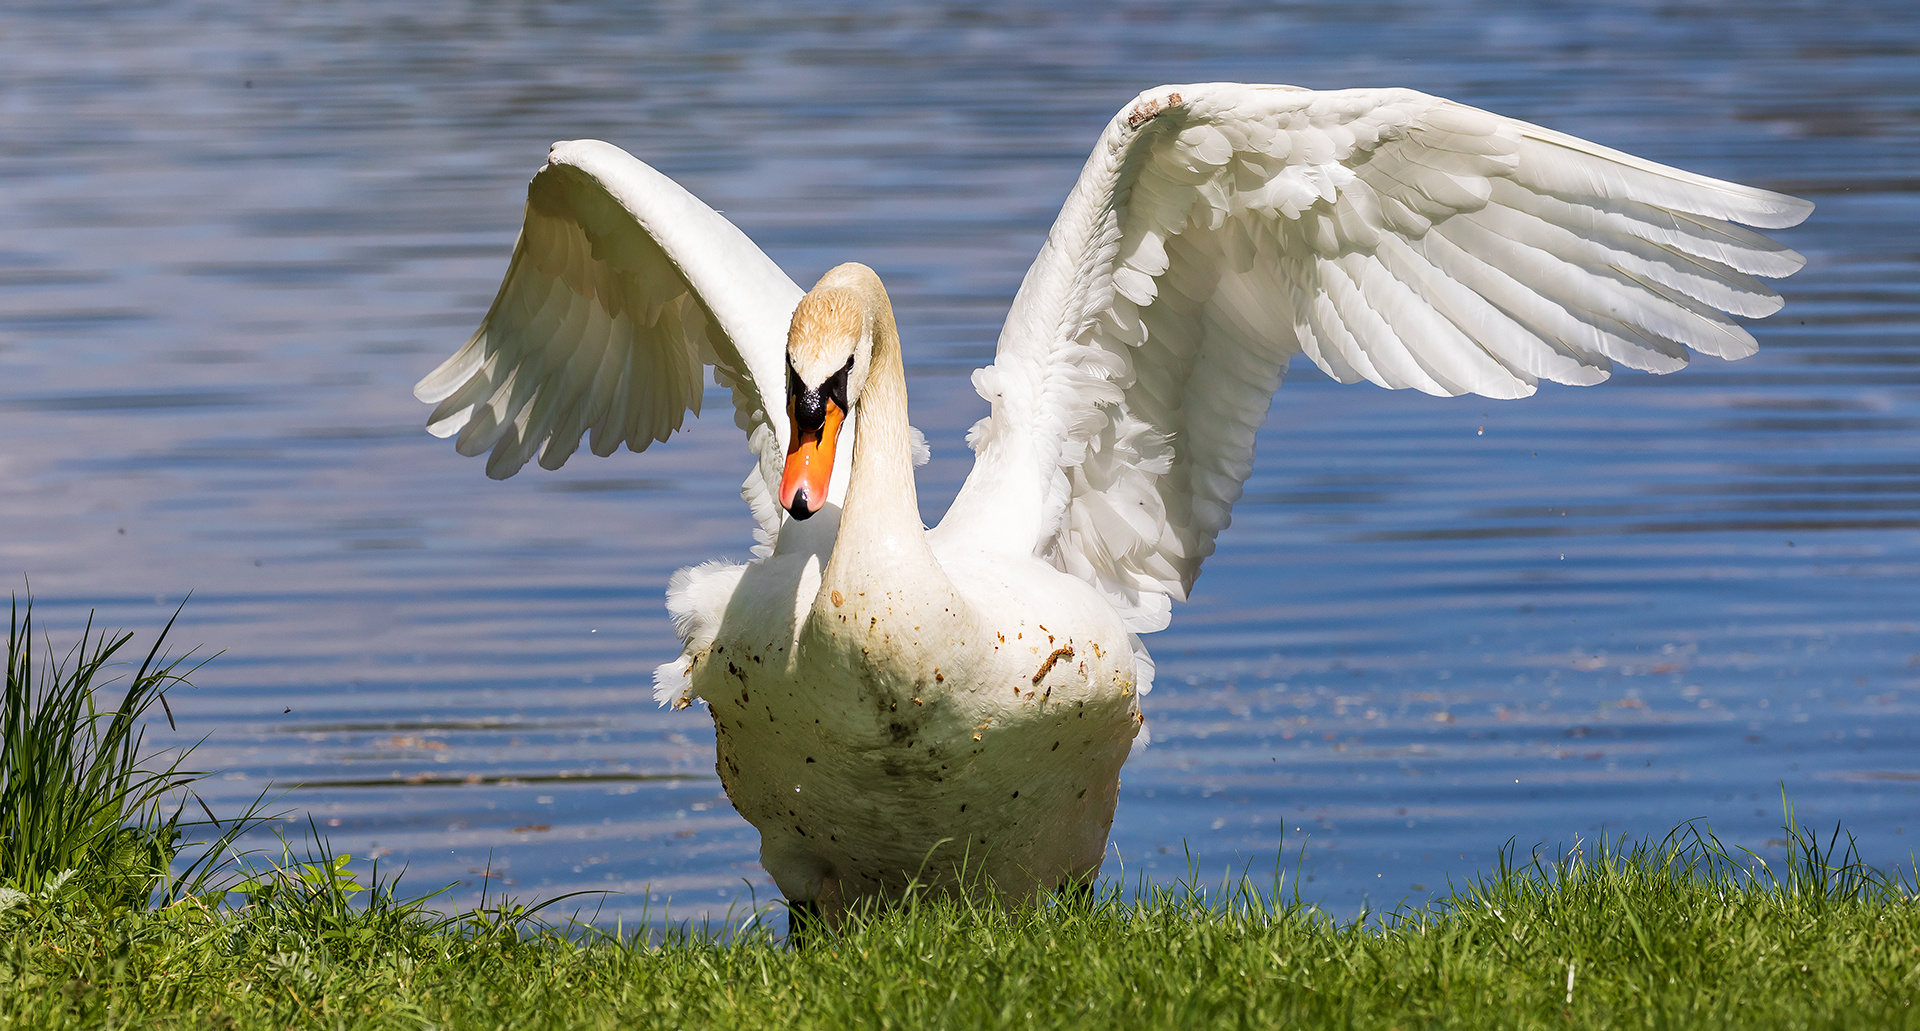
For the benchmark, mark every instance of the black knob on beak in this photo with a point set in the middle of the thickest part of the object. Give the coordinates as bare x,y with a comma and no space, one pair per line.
800,509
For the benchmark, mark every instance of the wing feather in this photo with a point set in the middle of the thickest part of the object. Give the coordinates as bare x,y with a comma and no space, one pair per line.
622,289
1388,235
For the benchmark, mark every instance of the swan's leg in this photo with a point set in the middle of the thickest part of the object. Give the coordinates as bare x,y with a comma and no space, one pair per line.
803,922
1078,894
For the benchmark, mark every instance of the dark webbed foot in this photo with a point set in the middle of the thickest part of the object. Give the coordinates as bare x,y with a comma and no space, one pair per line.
1078,894
803,922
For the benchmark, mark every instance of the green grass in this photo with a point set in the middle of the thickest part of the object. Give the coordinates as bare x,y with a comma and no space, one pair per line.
1673,934
87,813
81,806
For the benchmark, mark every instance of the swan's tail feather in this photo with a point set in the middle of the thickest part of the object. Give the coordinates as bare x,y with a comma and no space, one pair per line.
673,684
697,598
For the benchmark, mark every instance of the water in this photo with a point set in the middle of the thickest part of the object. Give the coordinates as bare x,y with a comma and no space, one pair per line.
232,235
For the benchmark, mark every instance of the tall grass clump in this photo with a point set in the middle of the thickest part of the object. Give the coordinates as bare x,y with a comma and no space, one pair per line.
83,807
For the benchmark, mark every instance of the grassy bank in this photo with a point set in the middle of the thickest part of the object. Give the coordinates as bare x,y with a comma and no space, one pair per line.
1673,935
111,916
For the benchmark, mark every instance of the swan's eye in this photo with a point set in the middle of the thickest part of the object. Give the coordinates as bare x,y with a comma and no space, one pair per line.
836,385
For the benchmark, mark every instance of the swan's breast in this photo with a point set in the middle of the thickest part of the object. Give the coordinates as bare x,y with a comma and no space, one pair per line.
992,725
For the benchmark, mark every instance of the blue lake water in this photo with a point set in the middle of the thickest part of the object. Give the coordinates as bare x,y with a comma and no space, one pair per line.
232,235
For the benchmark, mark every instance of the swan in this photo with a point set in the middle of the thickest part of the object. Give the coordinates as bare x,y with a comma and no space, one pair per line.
952,706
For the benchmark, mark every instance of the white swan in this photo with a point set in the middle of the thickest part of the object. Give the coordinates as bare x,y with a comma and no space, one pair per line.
893,702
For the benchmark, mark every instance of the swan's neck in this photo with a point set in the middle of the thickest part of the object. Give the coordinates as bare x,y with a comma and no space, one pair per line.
881,538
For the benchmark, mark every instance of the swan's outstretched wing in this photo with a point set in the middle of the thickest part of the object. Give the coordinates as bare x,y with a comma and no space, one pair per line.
621,288
1391,236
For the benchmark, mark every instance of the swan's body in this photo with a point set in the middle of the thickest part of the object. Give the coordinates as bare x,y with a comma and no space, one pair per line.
893,702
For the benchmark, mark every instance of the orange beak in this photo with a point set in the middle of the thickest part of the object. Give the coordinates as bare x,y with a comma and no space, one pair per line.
803,484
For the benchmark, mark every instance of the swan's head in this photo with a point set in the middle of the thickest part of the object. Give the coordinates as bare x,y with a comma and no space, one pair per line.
829,351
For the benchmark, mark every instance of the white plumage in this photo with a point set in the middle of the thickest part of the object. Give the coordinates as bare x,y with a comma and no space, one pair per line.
1216,231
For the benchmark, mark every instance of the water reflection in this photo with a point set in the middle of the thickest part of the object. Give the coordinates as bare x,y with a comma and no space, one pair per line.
233,235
